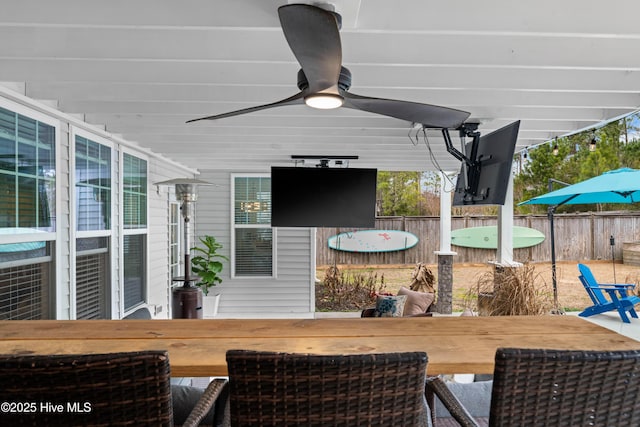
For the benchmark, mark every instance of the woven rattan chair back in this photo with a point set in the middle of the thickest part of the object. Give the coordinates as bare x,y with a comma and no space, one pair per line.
101,389
279,389
566,388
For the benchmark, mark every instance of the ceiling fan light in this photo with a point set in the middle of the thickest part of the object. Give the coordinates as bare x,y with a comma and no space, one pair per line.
324,101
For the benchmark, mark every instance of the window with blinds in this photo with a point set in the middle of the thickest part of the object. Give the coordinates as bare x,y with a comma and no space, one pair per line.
92,278
27,205
93,185
24,292
252,232
134,270
134,190
93,225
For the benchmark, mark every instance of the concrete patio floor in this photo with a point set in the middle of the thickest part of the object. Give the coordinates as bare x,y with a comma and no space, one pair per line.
611,320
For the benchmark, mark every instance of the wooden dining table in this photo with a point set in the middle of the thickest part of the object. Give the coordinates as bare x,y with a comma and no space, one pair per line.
197,347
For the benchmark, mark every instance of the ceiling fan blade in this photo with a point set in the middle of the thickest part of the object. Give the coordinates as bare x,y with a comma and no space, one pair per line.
431,116
298,98
314,37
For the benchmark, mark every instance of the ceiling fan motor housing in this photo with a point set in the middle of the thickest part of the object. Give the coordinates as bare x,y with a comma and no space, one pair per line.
344,80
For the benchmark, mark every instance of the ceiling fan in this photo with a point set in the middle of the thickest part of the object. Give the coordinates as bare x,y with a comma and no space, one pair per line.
313,35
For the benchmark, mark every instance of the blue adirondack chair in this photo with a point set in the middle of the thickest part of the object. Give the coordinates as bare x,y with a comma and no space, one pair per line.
619,299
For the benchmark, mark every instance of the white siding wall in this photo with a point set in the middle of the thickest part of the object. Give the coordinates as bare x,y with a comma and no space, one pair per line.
159,169
290,294
116,294
159,277
63,210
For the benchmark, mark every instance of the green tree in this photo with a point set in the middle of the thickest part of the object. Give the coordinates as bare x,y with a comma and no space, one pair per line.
399,193
615,146
630,154
540,165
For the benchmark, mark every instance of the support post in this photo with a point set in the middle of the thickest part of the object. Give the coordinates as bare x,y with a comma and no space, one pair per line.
505,230
444,304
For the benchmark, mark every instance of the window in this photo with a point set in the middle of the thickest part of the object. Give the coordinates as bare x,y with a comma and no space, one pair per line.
174,239
252,233
92,278
27,207
93,228
93,185
135,192
134,179
27,172
24,292
134,270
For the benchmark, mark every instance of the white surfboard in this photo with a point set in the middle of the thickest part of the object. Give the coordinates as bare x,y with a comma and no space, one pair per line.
373,241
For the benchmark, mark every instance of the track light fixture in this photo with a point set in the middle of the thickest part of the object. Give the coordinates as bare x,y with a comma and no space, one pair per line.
323,161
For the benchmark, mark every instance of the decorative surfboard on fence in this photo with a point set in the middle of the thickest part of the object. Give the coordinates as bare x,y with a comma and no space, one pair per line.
487,237
373,241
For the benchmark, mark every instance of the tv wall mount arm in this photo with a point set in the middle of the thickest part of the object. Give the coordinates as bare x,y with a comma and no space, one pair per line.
470,161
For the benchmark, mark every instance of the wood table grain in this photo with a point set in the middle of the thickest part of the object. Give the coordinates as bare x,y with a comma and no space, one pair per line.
197,347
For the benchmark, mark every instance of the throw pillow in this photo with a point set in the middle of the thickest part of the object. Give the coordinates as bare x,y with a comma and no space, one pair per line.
417,302
390,306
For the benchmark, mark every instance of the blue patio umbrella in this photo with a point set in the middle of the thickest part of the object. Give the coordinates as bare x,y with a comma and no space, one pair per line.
616,186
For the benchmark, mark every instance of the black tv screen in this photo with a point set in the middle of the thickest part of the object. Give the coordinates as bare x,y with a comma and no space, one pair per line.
323,197
495,157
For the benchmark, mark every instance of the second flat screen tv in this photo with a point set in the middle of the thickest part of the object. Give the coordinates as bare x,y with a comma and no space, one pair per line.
323,197
495,155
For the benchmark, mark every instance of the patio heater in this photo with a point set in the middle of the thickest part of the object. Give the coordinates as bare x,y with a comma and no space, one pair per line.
186,299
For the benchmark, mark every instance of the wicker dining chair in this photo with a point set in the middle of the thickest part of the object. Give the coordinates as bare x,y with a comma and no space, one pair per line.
283,389
92,389
533,387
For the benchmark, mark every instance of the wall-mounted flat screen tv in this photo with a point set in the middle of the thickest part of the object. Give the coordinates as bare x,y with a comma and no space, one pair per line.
487,185
323,197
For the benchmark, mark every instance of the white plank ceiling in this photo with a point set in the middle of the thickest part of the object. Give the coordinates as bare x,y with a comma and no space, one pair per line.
140,69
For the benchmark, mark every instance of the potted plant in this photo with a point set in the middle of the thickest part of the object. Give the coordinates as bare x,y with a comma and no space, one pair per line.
207,265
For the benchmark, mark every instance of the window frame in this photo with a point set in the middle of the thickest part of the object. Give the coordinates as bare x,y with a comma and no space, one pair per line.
178,265
57,293
75,234
234,226
123,231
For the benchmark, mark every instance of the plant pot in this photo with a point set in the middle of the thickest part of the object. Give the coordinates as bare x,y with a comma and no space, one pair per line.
210,305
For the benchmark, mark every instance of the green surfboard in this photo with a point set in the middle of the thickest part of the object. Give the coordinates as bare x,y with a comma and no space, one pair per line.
487,237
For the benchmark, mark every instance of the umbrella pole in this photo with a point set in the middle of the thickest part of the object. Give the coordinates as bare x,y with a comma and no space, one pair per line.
550,212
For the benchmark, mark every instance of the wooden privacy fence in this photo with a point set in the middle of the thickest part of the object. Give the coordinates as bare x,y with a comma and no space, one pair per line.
583,236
